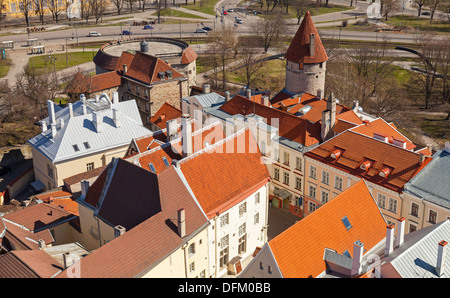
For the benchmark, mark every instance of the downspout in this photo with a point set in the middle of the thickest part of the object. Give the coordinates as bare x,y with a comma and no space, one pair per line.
184,246
215,245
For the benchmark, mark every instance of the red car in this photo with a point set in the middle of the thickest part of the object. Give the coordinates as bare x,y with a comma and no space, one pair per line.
225,13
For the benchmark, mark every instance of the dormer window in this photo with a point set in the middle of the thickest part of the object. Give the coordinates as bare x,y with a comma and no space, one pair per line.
169,74
152,167
365,165
75,147
166,162
161,75
384,171
336,153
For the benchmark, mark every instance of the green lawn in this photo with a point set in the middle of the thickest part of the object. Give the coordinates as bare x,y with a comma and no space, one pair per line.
205,6
178,14
421,24
5,64
74,58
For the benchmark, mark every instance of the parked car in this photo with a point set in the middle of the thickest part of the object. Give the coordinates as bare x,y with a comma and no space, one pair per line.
201,31
225,13
148,27
94,34
426,13
126,32
239,21
230,10
207,28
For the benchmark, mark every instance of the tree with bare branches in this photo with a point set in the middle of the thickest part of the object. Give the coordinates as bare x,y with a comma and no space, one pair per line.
271,29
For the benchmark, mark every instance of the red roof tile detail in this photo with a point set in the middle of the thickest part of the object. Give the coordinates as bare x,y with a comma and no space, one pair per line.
189,55
299,250
96,83
28,264
299,51
165,113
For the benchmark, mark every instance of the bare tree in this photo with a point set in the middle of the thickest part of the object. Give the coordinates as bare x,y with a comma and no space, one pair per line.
98,8
249,51
389,7
26,7
271,29
118,4
300,7
56,8
39,9
433,6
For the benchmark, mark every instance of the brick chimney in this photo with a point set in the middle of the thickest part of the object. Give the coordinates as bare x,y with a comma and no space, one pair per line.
442,251
181,216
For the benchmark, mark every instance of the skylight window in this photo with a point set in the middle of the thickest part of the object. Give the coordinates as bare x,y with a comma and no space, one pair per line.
166,162
86,145
346,223
152,167
75,147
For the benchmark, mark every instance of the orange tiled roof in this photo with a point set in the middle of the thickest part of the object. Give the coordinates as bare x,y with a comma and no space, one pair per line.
165,113
298,51
356,147
96,83
189,55
290,127
220,179
299,250
28,264
369,128
145,68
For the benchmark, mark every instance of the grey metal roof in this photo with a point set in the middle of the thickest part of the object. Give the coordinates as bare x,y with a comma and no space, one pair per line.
210,99
79,129
432,183
417,257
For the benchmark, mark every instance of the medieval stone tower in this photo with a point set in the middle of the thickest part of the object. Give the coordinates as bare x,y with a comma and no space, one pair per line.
306,60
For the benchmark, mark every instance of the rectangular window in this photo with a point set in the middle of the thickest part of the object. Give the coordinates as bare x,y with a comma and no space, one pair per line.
325,177
381,201
312,172
276,174
86,145
393,205
49,171
432,217
242,209
256,219
286,158
286,178
242,246
276,154
192,267
338,183
298,201
223,260
90,166
298,183
312,191
325,196
311,207
298,163
224,220
415,210
191,250
257,198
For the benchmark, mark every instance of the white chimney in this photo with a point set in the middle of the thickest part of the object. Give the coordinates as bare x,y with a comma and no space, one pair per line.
116,117
358,250
400,231
265,100
389,240
51,111
67,260
331,106
227,95
181,222
171,129
206,88
43,126
320,94
41,244
83,98
116,98
70,110
119,231
325,125
312,43
440,266
97,98
84,187
61,123
84,109
96,121
125,68
186,135
53,127
249,93
355,106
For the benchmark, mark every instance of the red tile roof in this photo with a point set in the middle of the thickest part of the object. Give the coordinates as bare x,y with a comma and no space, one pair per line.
299,250
20,238
96,83
290,127
299,51
165,113
142,247
145,68
356,147
189,55
28,264
225,173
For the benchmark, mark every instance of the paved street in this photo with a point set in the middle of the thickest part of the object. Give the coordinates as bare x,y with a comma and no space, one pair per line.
279,220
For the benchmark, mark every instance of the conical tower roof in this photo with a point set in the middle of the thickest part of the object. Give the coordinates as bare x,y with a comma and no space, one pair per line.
299,50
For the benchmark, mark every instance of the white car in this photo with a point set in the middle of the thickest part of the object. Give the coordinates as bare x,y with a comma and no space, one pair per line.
94,33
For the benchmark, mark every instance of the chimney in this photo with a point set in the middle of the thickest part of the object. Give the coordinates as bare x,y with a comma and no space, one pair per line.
51,111
422,158
186,135
400,231
227,95
116,117
355,106
125,68
331,106
83,98
119,231
325,126
41,244
53,126
67,260
176,163
447,146
116,98
97,98
430,148
312,43
84,109
358,250
43,126
171,127
96,121
70,110
265,100
389,240
181,222
61,123
84,187
320,94
249,93
440,266
206,88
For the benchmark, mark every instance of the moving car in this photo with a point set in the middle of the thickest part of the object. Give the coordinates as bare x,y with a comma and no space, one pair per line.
200,31
239,21
126,32
94,33
230,10
207,28
148,27
225,13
